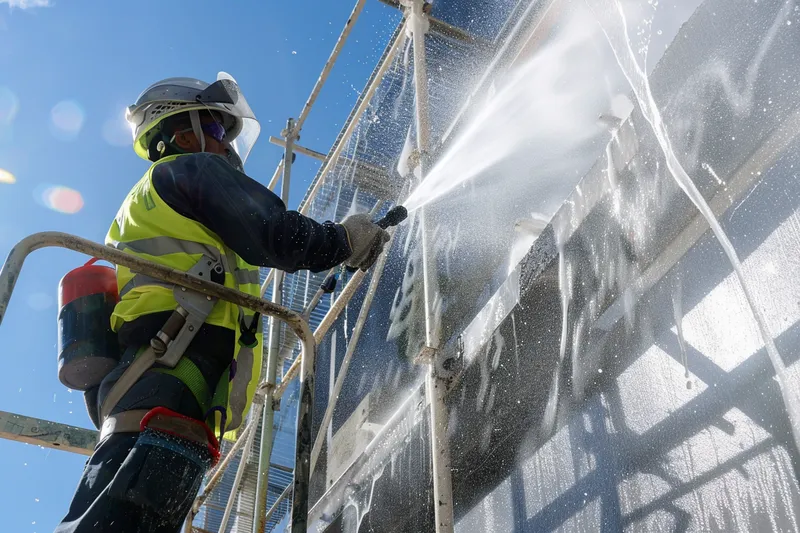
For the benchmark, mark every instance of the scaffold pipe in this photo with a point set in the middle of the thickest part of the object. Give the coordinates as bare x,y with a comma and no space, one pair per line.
268,416
326,70
351,348
440,449
362,107
237,481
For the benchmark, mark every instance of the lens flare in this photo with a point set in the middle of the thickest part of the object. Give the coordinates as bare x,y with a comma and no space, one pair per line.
9,106
60,199
40,301
67,119
117,131
7,177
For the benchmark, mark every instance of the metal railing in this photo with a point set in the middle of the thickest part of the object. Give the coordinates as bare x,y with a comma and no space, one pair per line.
82,441
11,271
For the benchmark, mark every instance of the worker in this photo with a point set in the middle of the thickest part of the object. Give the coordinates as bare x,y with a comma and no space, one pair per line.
193,209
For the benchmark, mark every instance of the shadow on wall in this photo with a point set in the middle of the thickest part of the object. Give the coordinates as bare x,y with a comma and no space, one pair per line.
656,427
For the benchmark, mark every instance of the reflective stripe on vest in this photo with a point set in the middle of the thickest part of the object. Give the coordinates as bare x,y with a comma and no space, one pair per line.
148,227
140,280
244,277
158,246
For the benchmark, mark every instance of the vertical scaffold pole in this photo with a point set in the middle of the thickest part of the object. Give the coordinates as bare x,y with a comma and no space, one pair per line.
435,385
265,448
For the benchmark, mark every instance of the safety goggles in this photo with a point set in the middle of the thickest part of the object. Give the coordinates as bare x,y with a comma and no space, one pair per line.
215,130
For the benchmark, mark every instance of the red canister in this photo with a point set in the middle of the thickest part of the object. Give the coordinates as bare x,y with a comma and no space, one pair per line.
87,347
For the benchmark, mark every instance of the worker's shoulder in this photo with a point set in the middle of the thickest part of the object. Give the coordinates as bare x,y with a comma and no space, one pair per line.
201,157
187,167
189,161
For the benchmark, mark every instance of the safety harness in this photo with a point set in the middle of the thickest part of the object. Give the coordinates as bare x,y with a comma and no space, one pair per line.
167,349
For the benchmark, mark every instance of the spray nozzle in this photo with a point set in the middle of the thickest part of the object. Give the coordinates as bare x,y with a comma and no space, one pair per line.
394,217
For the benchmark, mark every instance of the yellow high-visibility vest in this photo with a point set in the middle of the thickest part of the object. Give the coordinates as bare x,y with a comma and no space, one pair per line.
147,227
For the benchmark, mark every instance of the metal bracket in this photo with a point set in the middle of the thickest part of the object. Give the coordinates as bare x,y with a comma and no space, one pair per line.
418,10
197,307
425,356
446,365
264,394
264,389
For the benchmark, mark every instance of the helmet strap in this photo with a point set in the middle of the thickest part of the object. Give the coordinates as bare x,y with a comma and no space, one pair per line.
197,128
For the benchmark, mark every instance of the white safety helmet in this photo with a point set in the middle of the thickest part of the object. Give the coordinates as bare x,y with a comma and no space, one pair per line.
180,95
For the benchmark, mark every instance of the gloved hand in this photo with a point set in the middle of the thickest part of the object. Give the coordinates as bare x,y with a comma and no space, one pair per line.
366,240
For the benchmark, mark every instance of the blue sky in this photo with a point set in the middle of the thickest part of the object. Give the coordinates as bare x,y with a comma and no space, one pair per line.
68,68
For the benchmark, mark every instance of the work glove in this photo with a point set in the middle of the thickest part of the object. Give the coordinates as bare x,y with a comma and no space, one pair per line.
366,240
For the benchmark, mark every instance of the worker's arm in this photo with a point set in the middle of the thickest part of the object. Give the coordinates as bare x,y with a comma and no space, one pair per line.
248,217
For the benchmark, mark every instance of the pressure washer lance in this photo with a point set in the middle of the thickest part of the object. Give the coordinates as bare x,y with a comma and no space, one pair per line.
395,216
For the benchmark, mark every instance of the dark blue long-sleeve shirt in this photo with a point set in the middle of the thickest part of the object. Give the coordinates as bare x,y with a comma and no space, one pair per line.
253,222
249,218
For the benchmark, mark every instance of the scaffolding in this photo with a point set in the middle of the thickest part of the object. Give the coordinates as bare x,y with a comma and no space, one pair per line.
361,172
367,174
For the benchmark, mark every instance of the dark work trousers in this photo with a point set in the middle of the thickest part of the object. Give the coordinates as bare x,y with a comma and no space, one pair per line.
140,482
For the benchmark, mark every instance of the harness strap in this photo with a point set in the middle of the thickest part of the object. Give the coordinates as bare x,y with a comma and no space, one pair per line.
165,421
125,422
169,345
141,364
190,375
186,371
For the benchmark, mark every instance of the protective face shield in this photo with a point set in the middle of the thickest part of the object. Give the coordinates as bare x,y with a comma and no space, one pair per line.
180,95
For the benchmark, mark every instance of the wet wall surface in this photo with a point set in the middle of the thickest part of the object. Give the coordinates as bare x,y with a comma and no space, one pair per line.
655,411
655,430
